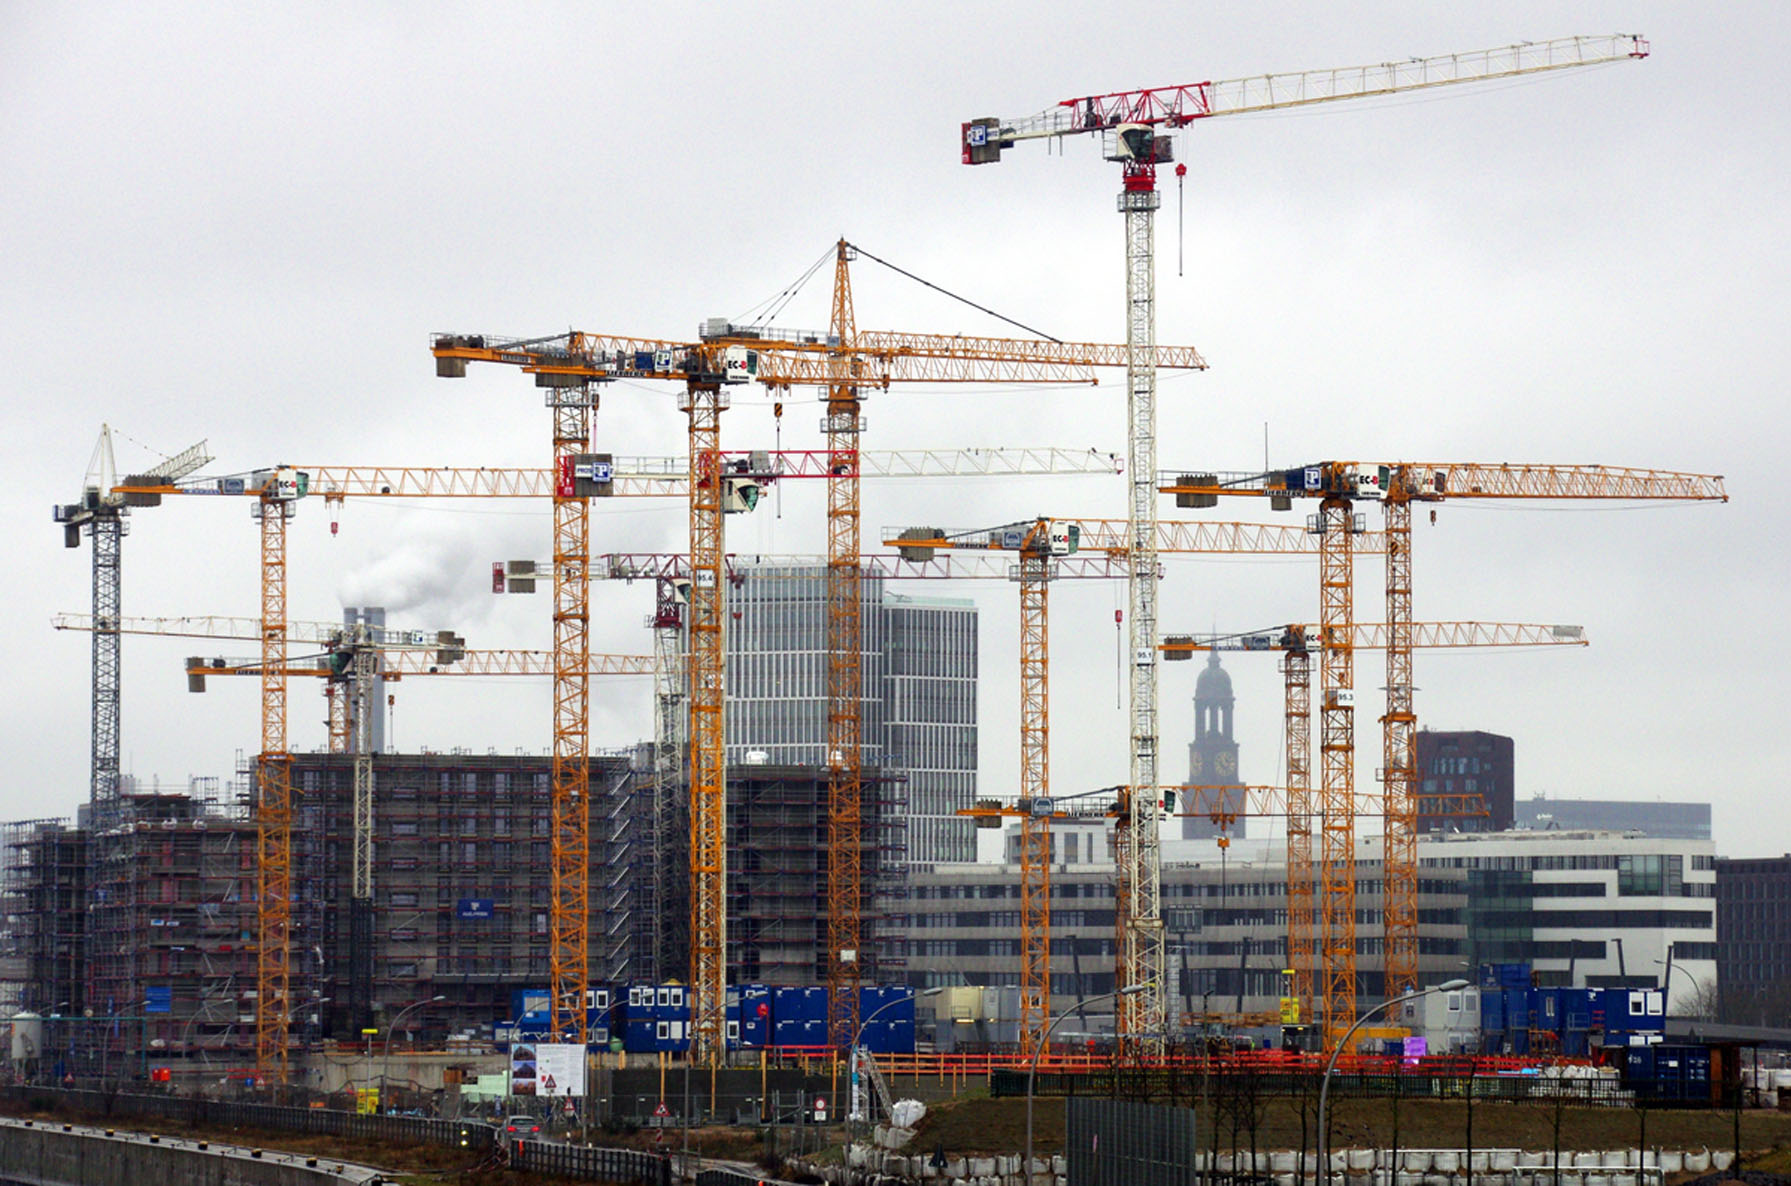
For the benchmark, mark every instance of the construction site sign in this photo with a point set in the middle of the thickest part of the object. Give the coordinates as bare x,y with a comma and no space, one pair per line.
559,1069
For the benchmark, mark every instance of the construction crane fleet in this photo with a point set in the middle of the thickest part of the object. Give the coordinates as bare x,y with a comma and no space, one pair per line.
1132,126
277,492
844,363
1041,543
1337,486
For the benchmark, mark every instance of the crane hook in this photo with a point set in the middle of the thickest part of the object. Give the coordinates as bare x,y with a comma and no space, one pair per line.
1181,171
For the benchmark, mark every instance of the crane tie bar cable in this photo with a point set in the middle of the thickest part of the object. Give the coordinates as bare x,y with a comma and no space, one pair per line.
954,296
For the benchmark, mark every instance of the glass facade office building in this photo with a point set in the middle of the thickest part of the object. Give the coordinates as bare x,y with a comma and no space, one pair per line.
918,706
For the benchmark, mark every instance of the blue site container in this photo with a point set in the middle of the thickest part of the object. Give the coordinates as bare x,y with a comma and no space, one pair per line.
749,1017
1518,1006
1492,1010
1514,975
889,1037
638,1035
887,1002
672,1034
786,1031
1633,1010
528,1000
799,1002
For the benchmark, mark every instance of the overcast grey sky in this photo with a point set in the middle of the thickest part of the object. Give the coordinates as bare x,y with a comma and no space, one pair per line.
242,223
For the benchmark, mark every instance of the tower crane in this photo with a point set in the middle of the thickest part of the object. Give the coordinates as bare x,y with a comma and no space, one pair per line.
1337,486
102,513
843,362
1132,126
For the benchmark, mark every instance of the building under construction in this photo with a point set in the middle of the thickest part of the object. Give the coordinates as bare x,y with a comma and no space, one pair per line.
147,948
459,909
43,895
777,875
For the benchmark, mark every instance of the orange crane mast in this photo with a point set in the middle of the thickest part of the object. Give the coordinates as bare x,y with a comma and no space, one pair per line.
1338,486
1131,125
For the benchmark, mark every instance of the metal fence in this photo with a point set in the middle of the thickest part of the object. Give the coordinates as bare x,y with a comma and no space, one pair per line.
1115,1143
629,1166
592,1165
734,1178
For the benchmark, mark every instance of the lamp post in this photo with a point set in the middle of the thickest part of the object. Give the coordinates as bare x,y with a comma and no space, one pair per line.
852,1112
385,1061
1672,967
1044,1041
1324,1087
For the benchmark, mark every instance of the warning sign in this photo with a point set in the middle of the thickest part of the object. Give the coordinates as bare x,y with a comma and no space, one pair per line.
662,1111
820,1108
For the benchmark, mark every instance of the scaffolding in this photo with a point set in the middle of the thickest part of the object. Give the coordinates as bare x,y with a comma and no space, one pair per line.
43,877
777,874
460,907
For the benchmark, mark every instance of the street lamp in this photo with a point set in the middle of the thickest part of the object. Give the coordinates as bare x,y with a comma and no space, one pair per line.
1044,1041
1672,967
854,1111
385,1061
1324,1089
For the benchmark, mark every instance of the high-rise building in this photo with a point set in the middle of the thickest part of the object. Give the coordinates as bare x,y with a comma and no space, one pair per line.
918,705
1590,909
1213,754
1665,821
1457,773
462,884
1753,922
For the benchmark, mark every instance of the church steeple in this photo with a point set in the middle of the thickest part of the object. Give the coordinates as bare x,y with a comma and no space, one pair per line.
1213,701
1213,754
